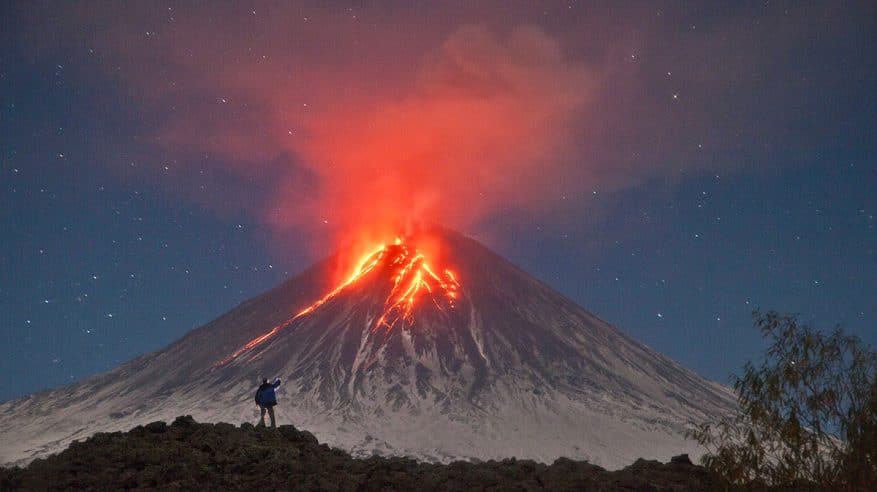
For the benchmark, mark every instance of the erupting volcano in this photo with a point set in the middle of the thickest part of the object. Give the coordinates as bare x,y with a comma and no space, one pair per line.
432,346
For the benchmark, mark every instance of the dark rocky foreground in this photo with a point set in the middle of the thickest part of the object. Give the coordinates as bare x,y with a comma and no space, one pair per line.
190,455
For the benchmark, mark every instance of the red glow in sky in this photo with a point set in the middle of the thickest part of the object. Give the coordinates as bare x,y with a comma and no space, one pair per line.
480,129
365,121
363,132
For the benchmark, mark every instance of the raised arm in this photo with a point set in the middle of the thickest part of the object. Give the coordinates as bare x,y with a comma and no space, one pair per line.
276,383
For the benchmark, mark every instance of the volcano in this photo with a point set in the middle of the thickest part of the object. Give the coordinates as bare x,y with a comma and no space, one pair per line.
457,356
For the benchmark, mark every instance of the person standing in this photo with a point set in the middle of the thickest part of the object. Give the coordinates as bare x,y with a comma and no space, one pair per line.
266,398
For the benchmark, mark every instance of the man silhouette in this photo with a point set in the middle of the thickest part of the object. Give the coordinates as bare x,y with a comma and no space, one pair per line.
266,399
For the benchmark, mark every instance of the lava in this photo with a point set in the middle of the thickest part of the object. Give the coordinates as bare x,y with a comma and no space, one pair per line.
412,279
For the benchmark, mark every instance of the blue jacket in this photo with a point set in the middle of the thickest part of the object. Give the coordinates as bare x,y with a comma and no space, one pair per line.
265,396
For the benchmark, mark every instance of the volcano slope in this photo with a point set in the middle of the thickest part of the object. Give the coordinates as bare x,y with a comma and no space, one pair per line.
465,357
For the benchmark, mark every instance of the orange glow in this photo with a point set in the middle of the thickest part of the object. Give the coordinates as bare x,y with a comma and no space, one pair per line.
483,126
412,278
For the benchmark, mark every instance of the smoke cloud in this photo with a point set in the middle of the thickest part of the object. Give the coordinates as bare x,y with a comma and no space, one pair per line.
483,126
353,122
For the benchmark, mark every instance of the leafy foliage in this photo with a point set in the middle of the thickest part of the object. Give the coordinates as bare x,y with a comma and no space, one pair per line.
807,412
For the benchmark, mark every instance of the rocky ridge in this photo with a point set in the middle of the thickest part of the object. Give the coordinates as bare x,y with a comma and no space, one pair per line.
190,455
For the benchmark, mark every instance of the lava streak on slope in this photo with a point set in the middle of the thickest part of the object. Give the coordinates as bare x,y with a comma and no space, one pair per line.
412,279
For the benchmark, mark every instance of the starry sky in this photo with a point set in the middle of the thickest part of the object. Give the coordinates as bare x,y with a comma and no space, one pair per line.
670,166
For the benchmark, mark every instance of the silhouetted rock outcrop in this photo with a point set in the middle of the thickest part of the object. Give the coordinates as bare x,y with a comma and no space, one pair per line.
189,455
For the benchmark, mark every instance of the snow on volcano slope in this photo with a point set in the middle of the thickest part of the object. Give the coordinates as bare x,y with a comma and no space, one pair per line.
483,362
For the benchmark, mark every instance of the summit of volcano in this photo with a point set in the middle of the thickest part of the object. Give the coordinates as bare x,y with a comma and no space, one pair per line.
433,347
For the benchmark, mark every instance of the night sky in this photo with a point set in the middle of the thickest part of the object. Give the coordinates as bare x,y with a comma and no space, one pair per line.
669,166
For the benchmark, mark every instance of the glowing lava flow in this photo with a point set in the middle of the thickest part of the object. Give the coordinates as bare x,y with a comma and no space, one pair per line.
412,277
